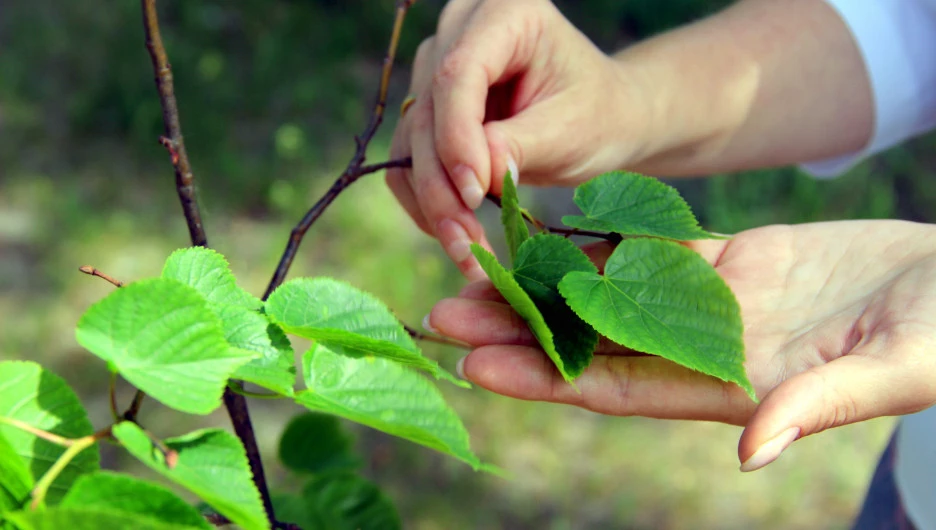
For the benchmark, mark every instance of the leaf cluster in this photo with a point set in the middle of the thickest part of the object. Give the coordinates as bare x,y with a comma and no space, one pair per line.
654,296
184,337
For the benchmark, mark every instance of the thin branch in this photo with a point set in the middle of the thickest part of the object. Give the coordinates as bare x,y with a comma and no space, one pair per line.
134,409
355,168
418,335
88,269
185,185
112,392
567,232
172,141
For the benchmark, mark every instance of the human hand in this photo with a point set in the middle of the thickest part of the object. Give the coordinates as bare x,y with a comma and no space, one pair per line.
507,81
840,327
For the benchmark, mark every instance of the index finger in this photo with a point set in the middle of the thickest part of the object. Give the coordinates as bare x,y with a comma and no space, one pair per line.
489,51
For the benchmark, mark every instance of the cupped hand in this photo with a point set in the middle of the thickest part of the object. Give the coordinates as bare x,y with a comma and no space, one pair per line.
839,327
507,80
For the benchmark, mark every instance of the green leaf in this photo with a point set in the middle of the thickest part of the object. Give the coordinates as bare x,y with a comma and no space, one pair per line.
523,304
515,227
41,399
208,273
347,321
163,338
385,396
632,204
89,519
540,264
659,297
345,501
131,496
211,463
15,480
315,442
338,501
251,331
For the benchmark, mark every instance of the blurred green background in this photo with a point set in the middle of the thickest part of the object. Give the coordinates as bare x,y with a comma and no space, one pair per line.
271,93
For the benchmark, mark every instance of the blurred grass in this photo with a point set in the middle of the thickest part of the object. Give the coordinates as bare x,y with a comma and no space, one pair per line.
271,93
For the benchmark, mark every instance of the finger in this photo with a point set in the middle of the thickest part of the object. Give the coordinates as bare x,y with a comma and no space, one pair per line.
399,185
398,181
453,224
480,323
620,386
487,52
481,290
852,388
423,65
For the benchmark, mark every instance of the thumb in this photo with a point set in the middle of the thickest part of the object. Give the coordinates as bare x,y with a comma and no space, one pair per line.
847,390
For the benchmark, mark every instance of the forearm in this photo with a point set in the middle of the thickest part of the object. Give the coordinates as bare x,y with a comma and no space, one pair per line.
766,82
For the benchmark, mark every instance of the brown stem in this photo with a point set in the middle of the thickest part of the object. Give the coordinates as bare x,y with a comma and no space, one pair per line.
172,141
88,269
185,185
418,335
134,410
567,232
355,168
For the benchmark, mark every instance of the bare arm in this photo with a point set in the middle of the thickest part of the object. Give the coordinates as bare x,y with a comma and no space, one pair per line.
764,83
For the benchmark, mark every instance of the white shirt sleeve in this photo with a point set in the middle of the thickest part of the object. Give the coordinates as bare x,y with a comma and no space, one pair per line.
897,39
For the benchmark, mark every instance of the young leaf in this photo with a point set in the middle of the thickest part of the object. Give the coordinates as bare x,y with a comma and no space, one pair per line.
208,273
515,227
524,305
251,331
345,501
385,396
211,464
540,263
41,399
632,204
347,321
15,480
131,496
88,519
659,297
315,442
162,337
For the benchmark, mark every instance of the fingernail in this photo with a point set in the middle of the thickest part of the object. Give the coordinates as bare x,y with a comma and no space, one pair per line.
467,182
427,326
460,368
514,171
771,450
456,240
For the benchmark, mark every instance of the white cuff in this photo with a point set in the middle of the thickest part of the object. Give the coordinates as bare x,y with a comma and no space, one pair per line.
897,39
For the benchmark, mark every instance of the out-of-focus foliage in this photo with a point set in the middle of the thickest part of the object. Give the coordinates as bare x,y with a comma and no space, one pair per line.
265,87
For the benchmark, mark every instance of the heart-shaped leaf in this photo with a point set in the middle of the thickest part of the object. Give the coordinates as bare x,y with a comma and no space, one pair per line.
208,272
659,297
632,204
210,463
347,321
34,396
577,341
386,396
160,335
541,263
315,442
249,330
133,497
